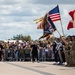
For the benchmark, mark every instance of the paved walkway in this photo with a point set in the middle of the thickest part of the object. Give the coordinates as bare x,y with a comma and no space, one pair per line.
29,68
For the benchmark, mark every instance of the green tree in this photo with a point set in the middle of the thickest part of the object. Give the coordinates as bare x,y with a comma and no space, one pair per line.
22,37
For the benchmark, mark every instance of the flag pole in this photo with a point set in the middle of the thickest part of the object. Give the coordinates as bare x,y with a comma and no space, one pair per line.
62,28
61,24
58,32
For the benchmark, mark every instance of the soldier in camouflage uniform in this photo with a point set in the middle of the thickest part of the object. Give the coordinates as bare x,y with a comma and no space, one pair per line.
73,51
69,51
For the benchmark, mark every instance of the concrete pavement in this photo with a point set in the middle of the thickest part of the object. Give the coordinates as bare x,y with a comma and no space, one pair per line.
29,68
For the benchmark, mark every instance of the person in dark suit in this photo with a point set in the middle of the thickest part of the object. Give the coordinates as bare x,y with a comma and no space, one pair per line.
34,47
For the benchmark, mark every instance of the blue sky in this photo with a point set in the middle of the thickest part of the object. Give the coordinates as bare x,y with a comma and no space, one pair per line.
16,16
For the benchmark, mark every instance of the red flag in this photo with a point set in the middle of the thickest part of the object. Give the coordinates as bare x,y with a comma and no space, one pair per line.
71,13
71,23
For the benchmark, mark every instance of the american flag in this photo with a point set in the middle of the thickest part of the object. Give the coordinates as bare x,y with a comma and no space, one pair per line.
54,14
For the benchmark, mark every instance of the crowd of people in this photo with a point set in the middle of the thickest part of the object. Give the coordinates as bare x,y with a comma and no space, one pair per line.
26,51
60,50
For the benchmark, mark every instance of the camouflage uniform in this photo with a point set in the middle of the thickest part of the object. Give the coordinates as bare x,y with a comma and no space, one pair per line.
73,54
68,56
